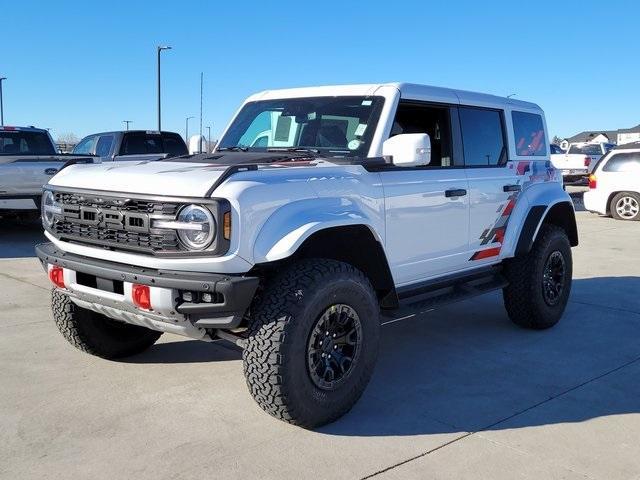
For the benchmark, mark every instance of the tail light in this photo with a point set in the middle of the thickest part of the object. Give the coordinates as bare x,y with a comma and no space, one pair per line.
141,296
56,275
592,181
587,161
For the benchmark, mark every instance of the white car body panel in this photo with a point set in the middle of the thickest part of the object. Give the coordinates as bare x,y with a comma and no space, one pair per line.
274,209
609,183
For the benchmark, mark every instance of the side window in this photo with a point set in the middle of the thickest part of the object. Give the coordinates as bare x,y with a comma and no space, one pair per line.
529,134
103,147
85,147
434,121
482,137
623,162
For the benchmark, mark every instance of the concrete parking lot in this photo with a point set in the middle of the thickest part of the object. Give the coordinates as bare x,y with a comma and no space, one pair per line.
457,393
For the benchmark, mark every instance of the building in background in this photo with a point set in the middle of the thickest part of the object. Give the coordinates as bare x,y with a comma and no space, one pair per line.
621,136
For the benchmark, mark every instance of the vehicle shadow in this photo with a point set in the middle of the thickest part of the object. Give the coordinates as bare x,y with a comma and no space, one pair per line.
187,351
466,367
18,239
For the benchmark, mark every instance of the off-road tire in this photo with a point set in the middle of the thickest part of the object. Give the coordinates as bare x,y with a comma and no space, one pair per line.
275,357
616,198
523,298
96,334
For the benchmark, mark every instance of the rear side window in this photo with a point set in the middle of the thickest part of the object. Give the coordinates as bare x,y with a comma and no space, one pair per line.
482,137
103,147
623,162
174,145
528,131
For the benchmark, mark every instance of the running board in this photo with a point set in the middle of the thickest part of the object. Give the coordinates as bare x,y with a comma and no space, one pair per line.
444,293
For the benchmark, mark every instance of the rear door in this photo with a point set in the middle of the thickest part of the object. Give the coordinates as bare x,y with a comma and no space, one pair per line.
493,183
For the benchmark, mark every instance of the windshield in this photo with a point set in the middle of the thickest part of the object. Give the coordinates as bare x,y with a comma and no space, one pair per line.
593,149
335,126
21,142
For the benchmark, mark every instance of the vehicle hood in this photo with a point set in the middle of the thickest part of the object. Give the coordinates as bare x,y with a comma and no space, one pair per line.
156,178
191,176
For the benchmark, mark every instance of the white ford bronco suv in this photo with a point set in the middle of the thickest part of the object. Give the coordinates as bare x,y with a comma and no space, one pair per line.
320,211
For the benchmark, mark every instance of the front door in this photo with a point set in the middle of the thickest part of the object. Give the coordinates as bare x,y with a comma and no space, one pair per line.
427,207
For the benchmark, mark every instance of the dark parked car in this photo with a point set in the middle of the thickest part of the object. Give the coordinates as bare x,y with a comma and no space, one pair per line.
132,145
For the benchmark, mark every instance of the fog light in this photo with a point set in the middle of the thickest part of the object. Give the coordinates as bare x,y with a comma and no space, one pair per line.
56,275
206,297
187,296
141,296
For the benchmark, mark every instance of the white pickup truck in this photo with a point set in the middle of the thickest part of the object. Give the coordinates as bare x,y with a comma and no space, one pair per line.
293,243
578,160
28,159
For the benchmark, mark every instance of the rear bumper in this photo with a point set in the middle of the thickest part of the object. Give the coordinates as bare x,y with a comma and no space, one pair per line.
232,294
595,202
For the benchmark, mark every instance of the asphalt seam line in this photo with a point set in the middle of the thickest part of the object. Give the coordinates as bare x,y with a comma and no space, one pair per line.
457,439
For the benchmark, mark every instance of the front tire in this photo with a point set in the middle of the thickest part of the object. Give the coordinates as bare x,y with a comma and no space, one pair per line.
625,206
313,342
96,334
540,282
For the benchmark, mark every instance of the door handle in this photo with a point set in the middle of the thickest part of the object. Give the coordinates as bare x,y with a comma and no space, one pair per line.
511,188
456,192
50,171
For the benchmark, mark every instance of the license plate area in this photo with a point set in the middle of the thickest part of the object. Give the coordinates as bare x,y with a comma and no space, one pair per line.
98,283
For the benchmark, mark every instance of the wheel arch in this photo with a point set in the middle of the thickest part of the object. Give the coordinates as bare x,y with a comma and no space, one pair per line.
561,214
355,244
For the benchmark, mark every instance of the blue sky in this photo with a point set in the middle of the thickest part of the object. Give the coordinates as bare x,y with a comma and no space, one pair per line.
83,67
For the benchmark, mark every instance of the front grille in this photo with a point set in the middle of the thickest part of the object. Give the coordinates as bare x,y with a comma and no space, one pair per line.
115,222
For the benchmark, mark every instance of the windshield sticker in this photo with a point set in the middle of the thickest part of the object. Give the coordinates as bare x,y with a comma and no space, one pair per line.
360,129
366,103
354,144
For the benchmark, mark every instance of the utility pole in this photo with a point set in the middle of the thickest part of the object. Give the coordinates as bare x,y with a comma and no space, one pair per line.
186,130
127,122
1,105
160,49
200,138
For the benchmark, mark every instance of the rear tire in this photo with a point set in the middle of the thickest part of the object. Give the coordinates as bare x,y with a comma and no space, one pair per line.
540,282
96,334
313,342
625,206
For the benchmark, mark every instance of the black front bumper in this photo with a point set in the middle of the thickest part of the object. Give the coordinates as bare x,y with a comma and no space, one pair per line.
236,291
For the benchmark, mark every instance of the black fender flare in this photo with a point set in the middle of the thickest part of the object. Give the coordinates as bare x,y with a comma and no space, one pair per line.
560,214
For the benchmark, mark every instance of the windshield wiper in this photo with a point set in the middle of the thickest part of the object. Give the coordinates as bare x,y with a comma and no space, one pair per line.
232,149
293,150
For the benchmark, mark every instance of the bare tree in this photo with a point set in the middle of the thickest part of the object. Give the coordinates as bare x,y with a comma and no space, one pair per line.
68,138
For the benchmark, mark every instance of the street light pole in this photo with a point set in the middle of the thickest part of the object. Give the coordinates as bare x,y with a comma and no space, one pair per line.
160,48
1,105
127,122
186,130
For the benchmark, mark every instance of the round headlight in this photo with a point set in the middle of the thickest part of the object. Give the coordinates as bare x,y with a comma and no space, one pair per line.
198,229
49,207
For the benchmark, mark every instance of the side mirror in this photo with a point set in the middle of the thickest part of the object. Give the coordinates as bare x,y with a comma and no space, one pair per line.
408,149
